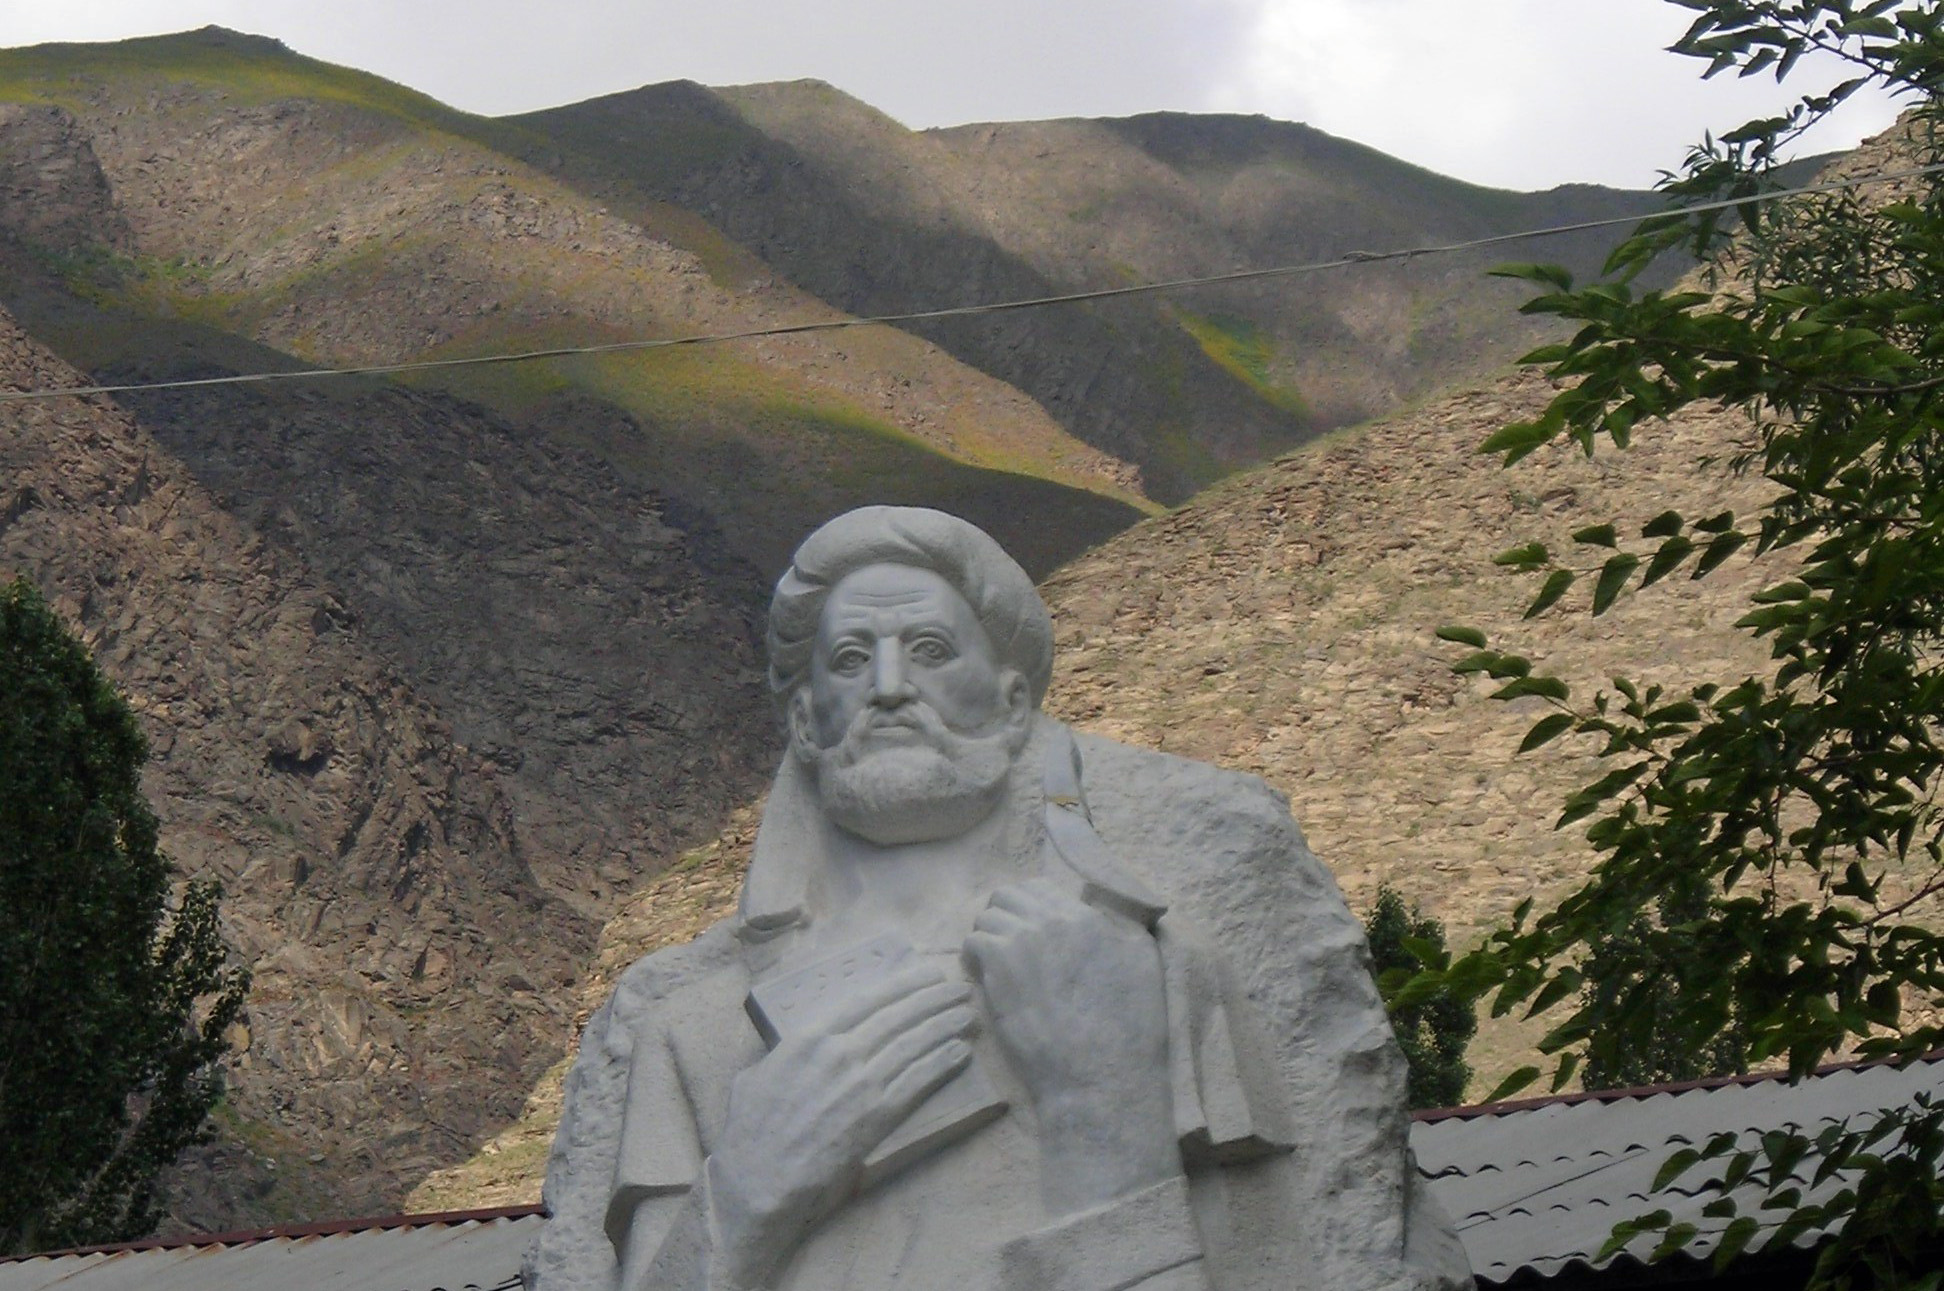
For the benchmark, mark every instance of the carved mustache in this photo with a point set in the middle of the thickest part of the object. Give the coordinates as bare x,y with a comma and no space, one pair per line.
914,715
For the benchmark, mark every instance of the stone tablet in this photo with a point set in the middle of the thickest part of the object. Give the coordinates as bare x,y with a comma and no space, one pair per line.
1005,1008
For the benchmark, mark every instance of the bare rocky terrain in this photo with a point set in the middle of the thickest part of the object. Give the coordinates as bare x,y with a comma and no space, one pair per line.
335,218
410,970
877,218
446,675
590,639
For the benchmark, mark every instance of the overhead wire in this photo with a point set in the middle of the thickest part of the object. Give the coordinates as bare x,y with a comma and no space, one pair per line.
1348,259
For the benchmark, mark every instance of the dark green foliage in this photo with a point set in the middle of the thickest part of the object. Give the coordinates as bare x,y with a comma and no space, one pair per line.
112,1010
1433,1031
1771,847
1636,976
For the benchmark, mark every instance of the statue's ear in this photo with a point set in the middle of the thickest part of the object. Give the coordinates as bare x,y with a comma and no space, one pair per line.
1019,696
803,738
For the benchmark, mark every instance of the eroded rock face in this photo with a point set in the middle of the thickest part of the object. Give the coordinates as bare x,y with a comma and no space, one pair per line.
410,972
592,640
52,191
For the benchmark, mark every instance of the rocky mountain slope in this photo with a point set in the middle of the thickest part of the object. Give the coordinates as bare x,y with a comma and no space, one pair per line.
409,967
1283,623
340,219
445,673
880,219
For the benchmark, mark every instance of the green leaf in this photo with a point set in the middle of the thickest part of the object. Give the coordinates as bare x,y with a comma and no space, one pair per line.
1793,590
1544,355
1673,1241
1664,525
1518,439
1528,555
1546,275
1674,1167
1462,635
1550,591
1671,554
1599,535
1613,578
1547,728
1566,983
1523,687
1418,990
1628,1229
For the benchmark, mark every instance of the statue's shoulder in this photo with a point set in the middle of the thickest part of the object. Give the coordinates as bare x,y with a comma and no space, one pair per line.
712,965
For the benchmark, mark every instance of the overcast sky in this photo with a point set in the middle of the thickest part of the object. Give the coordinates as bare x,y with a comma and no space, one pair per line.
1516,93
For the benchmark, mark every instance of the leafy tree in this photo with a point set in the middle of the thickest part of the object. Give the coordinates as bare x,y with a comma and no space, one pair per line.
112,1004
1653,1050
1434,1031
1771,847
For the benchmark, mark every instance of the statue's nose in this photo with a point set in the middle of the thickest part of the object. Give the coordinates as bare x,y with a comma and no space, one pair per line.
890,686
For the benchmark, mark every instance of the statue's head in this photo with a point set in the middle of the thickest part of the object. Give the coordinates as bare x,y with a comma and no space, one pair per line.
909,652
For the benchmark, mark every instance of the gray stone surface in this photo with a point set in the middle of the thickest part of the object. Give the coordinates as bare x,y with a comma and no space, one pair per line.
1002,1008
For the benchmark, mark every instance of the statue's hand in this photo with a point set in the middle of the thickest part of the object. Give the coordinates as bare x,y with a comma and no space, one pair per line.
1079,1006
802,1118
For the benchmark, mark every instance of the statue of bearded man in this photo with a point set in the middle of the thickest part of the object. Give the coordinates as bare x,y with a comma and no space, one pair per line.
1003,1008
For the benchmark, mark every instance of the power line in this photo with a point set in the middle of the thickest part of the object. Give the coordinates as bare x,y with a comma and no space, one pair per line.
1347,260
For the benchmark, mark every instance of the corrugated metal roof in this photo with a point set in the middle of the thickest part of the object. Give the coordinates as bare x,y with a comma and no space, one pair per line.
1533,1188
1539,1186
407,1254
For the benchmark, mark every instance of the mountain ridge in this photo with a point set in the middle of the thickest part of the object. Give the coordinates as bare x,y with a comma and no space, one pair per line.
880,219
519,661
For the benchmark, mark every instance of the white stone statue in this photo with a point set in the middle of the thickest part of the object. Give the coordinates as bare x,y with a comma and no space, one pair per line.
1004,1008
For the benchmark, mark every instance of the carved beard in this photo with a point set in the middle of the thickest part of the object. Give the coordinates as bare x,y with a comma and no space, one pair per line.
913,791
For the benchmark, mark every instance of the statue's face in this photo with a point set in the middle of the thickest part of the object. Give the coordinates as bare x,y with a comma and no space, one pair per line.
908,717
891,635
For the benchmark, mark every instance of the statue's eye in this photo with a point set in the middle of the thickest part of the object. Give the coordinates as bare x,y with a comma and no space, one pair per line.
931,650
849,660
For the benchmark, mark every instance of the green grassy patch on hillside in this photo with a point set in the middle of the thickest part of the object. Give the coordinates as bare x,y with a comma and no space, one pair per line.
155,286
767,453
247,69
1238,347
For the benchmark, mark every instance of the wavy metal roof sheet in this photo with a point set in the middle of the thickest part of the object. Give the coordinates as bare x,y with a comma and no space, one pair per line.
435,1253
1537,1187
1533,1188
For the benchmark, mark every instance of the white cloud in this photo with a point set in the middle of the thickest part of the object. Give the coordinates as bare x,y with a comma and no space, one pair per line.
1518,93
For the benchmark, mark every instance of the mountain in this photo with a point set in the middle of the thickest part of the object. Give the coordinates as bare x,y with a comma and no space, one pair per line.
409,967
447,672
1284,623
340,219
879,219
